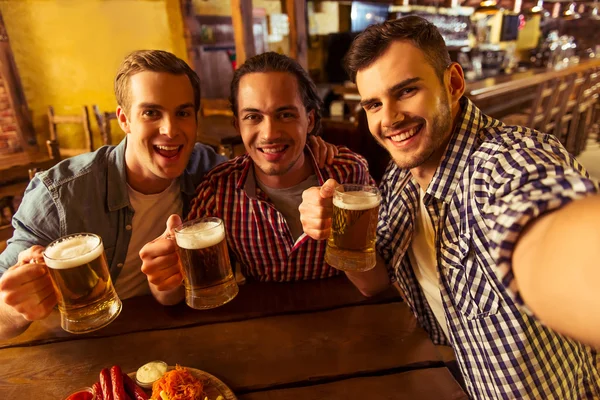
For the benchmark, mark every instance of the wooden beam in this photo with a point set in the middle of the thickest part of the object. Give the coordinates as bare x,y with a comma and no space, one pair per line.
296,11
241,15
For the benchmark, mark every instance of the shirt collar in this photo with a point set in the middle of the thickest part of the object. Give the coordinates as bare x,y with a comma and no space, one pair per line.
463,142
117,195
247,180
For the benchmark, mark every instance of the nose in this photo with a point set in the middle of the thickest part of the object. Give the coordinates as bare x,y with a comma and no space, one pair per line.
168,126
269,130
390,116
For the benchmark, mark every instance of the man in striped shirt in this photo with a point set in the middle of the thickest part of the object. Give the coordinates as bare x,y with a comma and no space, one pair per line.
276,107
491,231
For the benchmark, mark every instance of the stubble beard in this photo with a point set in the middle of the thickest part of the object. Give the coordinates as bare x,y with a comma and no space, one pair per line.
441,124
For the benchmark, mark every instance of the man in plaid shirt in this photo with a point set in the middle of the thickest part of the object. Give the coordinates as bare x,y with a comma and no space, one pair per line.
276,107
491,231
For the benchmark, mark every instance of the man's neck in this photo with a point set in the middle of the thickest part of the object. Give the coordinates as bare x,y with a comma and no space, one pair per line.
141,183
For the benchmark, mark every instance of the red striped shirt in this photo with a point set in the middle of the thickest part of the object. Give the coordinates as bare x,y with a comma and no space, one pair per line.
256,232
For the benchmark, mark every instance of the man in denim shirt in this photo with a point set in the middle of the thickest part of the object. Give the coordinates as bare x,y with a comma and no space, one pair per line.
159,162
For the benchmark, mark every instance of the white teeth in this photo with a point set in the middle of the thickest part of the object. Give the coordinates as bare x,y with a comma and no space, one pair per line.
273,150
405,135
167,148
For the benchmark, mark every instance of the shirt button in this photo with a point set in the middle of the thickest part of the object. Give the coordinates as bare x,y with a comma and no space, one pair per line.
128,227
120,265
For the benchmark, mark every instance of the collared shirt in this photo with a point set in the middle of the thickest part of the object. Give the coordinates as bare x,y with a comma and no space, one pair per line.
257,232
492,180
88,193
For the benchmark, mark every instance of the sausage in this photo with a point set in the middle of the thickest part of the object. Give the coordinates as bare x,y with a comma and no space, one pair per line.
134,390
98,391
116,378
106,385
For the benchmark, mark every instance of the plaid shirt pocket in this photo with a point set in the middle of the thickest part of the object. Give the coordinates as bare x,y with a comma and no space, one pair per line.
472,292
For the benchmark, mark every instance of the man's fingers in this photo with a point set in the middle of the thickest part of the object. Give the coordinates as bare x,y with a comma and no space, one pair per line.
170,283
31,292
318,234
328,188
17,276
322,151
173,222
32,253
159,247
332,151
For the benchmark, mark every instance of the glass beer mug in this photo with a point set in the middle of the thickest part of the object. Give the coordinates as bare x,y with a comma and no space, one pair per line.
351,245
207,274
87,299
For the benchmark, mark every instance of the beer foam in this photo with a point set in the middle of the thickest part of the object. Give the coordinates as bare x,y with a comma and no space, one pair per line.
200,236
73,252
356,201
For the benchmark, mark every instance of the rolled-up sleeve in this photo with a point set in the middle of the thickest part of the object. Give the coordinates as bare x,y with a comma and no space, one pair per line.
527,182
35,223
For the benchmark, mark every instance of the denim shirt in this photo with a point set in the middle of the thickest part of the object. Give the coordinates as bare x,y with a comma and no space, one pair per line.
88,193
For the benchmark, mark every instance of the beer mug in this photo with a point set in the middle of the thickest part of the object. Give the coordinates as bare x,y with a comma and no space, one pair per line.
206,270
87,299
351,245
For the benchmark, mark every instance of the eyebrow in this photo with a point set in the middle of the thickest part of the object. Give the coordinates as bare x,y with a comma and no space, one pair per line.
278,109
153,105
393,89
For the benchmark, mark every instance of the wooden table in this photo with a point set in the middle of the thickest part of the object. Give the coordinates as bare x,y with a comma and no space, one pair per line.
316,339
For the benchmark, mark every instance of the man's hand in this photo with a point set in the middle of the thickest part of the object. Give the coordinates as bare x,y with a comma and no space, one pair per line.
324,152
27,288
316,210
160,261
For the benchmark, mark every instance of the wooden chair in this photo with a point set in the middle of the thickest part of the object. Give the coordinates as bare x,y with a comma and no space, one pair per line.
558,107
54,120
535,116
585,123
577,112
567,112
103,119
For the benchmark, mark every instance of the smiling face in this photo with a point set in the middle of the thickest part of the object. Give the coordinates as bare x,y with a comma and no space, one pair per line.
274,125
410,112
161,129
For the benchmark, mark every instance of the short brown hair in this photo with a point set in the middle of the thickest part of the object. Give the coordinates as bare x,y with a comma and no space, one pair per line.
376,39
155,61
274,62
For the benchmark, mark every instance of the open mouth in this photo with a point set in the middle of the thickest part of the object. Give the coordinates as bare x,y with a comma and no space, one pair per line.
273,152
405,134
168,151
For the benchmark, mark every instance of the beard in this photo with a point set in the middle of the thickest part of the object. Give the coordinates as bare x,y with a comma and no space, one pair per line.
441,124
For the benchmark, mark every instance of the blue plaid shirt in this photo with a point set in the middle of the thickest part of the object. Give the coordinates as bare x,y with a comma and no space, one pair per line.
492,180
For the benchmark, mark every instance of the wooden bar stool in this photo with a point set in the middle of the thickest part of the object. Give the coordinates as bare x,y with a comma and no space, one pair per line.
568,111
551,122
578,128
535,116
54,120
103,119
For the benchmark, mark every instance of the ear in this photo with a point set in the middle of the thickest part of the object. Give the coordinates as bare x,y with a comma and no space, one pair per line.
455,82
123,120
311,121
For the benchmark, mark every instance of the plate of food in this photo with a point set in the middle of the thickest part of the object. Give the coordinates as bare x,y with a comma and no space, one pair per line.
157,381
180,383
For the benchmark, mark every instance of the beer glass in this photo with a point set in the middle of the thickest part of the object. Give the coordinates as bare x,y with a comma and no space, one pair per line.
207,274
87,299
351,245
